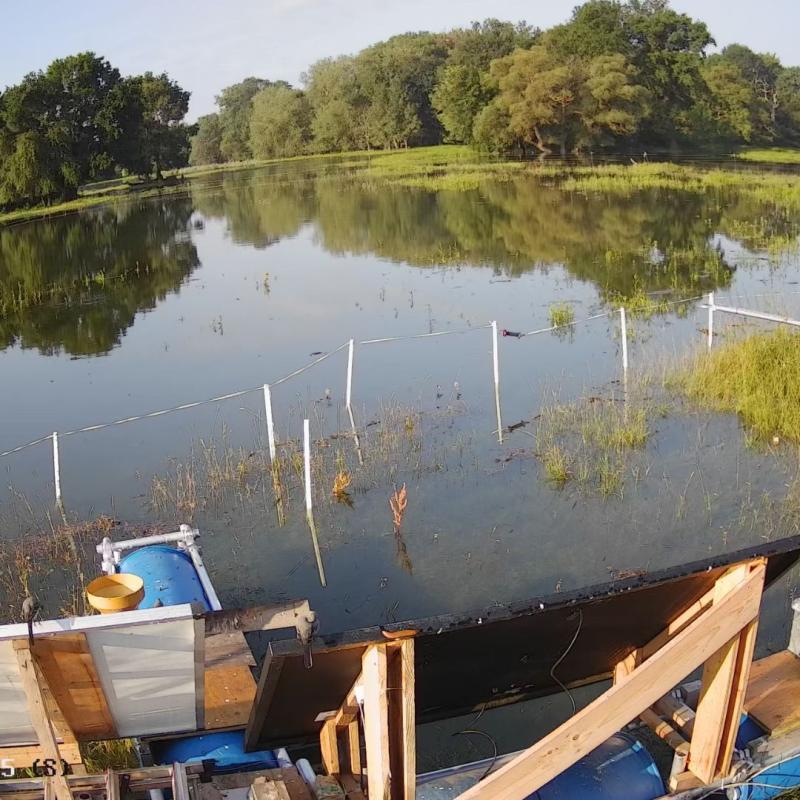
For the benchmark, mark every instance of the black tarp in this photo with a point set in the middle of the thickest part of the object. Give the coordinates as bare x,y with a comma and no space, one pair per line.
500,654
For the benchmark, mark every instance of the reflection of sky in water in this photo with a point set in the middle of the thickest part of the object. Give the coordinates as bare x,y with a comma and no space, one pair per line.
484,526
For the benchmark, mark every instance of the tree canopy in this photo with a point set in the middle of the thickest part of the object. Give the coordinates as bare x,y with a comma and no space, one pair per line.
80,120
617,75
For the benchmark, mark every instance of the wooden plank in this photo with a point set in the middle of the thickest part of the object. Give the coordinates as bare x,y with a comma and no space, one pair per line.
352,787
354,748
271,669
627,665
69,670
295,785
406,724
656,676
257,618
663,730
200,674
23,757
376,722
32,681
744,660
677,625
678,712
112,785
329,747
229,695
228,649
773,693
721,696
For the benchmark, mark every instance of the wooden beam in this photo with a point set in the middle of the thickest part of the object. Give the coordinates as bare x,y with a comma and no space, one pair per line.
112,785
402,720
329,746
23,756
678,712
257,618
32,681
376,722
721,696
354,749
624,668
652,679
663,730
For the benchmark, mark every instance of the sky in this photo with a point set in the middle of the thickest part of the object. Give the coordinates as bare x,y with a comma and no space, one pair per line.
207,45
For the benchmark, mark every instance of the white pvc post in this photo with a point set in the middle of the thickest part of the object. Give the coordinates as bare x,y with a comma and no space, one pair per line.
496,365
56,467
270,423
349,392
307,463
624,333
710,319
309,511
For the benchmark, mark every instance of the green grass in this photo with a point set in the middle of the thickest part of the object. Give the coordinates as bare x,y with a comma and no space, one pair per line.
756,377
561,314
771,155
591,442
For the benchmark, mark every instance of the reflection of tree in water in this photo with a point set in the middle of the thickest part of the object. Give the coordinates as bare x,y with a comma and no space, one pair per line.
652,240
76,283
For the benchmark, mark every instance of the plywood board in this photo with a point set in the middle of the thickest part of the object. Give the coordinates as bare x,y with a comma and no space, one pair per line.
69,669
229,695
773,693
126,674
148,676
495,655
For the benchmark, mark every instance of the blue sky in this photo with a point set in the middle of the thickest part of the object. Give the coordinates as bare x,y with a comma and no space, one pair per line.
207,45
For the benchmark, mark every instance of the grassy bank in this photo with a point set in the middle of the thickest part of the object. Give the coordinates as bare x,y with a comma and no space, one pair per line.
771,155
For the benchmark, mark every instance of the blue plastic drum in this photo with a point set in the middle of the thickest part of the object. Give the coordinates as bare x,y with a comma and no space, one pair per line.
169,576
225,747
620,767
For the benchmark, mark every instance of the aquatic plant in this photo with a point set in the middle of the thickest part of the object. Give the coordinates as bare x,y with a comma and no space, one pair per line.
397,503
755,376
561,314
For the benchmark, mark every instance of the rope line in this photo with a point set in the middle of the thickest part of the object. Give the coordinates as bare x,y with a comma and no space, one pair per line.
295,373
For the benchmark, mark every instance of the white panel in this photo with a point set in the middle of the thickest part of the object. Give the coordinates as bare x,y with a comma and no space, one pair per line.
15,724
148,675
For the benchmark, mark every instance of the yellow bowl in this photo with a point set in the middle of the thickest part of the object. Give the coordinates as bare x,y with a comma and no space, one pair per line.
111,593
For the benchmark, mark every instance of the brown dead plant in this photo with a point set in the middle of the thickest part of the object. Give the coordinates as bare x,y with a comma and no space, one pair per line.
397,503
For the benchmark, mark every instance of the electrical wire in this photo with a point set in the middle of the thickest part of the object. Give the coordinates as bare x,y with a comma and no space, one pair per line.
487,736
563,656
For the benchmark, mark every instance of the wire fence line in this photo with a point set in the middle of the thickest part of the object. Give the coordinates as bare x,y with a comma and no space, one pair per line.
710,305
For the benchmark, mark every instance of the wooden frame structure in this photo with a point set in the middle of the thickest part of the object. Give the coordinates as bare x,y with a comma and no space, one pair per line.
717,633
66,685
380,709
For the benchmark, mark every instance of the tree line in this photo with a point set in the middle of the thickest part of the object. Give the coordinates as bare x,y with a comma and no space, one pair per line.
616,75
80,120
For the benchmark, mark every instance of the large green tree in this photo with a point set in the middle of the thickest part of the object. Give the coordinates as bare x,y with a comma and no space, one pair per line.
463,88
206,144
280,123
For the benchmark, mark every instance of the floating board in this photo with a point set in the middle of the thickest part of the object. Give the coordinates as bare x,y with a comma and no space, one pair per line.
495,656
135,673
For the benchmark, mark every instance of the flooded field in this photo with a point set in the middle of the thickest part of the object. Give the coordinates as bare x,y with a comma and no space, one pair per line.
244,277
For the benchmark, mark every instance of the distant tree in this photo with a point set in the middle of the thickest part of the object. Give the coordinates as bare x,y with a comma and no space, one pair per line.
397,78
728,111
597,28
280,123
788,117
206,143
163,139
667,49
761,71
339,104
462,89
235,107
568,103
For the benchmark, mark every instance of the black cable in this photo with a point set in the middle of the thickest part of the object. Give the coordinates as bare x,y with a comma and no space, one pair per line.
563,656
490,738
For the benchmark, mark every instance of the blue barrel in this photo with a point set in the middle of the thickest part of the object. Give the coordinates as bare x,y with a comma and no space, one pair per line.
225,747
620,767
168,574
771,782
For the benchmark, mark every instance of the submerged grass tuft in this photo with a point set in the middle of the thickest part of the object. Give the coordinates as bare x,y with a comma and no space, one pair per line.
756,377
561,314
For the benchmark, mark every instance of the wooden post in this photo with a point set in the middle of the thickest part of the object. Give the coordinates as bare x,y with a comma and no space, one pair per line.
329,747
309,509
32,683
354,749
376,722
719,707
496,369
56,468
623,702
270,422
710,319
402,720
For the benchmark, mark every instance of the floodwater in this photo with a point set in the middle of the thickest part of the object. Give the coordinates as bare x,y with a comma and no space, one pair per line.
248,276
